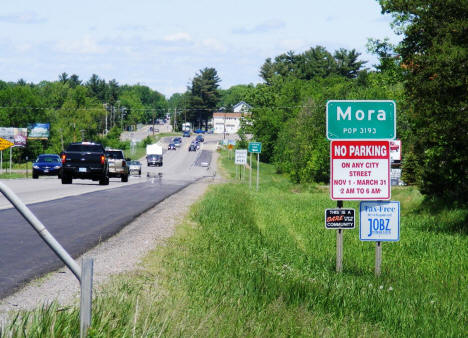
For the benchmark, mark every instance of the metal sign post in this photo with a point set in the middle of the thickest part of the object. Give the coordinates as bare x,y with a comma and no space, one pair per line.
250,174
84,274
339,244
258,169
255,147
378,257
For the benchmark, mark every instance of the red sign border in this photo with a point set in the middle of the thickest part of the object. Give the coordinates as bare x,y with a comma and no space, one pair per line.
389,192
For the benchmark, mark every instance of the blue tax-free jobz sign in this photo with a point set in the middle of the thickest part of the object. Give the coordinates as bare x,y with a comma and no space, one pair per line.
379,221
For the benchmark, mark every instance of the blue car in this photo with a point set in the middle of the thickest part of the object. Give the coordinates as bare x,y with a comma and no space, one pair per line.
199,131
47,165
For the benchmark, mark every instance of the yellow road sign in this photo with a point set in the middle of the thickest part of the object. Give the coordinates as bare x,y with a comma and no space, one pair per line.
5,144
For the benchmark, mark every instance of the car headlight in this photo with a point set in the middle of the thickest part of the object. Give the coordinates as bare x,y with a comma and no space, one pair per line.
35,167
57,167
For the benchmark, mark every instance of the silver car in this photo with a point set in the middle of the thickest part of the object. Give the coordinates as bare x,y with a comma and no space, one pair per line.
134,167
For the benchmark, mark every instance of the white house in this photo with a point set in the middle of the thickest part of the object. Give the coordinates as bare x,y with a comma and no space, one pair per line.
228,123
242,107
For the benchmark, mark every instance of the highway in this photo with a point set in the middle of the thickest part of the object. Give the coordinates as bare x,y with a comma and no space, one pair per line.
84,213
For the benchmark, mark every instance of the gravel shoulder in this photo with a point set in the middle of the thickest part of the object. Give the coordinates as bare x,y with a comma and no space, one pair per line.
121,253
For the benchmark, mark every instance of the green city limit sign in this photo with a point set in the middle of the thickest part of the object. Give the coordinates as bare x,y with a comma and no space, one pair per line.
361,120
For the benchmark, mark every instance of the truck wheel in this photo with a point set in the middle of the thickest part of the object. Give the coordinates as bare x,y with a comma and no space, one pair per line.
66,179
104,180
124,178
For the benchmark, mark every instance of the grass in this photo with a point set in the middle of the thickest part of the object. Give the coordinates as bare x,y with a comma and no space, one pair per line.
7,175
247,263
140,149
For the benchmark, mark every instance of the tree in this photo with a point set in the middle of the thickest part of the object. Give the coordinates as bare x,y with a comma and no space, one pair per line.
434,54
63,77
204,96
97,87
74,81
347,63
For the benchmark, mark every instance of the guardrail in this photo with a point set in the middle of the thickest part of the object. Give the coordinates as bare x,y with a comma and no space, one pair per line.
84,274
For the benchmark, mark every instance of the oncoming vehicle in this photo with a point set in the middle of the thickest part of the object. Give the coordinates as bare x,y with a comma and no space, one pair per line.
192,147
48,165
200,138
154,160
171,146
117,164
177,141
186,134
134,167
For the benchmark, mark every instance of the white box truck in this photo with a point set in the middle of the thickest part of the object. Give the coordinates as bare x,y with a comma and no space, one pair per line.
154,155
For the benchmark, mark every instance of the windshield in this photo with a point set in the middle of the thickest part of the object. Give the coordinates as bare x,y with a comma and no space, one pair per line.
48,158
116,155
92,148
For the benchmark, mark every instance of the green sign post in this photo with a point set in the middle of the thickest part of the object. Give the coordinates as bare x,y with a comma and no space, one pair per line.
361,119
256,148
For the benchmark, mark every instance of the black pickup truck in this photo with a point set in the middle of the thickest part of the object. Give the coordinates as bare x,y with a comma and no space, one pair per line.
86,160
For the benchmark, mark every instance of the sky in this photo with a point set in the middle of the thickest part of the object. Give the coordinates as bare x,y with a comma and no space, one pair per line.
163,44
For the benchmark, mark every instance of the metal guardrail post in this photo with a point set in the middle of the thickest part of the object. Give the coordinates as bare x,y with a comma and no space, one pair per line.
84,274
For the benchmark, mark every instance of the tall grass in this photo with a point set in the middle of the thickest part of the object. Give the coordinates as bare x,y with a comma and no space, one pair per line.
250,263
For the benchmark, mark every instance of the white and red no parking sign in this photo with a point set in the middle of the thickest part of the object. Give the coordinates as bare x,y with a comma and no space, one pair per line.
360,170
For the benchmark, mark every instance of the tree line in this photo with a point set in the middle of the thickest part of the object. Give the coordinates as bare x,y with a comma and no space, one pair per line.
95,110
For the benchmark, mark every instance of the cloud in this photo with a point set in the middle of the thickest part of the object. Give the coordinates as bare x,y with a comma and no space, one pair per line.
132,28
214,45
181,36
86,45
264,27
27,17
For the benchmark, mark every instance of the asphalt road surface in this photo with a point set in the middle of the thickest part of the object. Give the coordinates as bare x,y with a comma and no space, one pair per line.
83,214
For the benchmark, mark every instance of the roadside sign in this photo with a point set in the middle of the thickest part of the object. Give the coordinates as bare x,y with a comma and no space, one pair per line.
5,144
339,218
379,221
361,120
360,170
255,147
395,150
240,156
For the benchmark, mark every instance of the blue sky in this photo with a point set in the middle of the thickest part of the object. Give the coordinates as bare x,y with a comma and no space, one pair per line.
164,43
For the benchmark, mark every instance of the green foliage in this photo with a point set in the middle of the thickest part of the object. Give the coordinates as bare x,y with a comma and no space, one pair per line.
204,96
314,62
76,111
435,56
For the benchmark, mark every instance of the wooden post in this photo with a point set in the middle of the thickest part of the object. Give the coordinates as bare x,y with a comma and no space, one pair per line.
378,258
339,244
339,250
86,295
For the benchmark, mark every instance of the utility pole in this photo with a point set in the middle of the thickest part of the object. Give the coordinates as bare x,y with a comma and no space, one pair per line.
175,110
